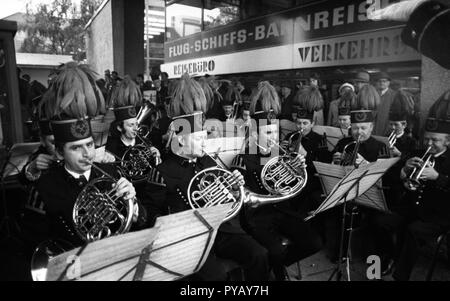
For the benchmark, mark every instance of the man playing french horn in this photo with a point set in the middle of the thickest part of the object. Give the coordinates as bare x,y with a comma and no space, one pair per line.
270,224
187,159
60,187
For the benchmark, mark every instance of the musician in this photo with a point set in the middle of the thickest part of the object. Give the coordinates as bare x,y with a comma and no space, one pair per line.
127,126
404,144
344,121
314,148
387,228
231,97
362,127
61,185
33,221
187,157
271,224
432,205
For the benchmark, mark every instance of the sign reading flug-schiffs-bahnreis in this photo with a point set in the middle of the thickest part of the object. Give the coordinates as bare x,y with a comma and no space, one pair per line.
323,33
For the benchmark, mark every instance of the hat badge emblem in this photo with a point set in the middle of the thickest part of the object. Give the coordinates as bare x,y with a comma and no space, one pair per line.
362,116
79,129
432,124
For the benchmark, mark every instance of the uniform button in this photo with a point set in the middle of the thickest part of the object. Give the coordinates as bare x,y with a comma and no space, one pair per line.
413,34
417,203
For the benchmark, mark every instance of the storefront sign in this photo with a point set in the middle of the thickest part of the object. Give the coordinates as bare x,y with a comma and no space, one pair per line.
319,20
375,47
382,46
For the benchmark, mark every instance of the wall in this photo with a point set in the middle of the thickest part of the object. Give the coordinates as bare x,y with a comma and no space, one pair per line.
99,41
115,38
435,81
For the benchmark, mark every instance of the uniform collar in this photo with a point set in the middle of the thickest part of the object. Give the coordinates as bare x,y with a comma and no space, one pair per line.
443,154
126,143
86,174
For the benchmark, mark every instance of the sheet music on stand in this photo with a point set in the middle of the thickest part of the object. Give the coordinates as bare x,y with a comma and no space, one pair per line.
19,157
346,183
334,134
175,247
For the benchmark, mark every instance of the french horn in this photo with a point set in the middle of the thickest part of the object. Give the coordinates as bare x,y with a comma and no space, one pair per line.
96,214
284,177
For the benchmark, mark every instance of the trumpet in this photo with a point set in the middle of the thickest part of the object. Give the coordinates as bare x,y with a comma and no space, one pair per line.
392,139
349,155
413,181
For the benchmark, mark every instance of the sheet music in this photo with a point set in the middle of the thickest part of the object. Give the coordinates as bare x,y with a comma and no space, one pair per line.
19,157
178,243
354,184
333,134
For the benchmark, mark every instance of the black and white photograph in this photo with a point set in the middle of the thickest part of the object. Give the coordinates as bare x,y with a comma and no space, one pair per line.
225,146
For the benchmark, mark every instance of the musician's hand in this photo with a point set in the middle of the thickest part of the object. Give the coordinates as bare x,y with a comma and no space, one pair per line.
284,144
42,162
396,152
337,157
125,189
400,11
414,162
238,178
360,160
429,174
135,211
302,159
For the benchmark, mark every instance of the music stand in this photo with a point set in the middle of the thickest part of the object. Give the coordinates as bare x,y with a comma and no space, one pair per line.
347,191
15,159
177,246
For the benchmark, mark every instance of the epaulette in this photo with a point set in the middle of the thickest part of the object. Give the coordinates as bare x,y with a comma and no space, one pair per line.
238,163
155,178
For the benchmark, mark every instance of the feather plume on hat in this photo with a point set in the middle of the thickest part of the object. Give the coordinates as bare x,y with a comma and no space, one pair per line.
209,94
441,108
348,97
73,94
309,98
188,97
368,98
402,106
265,98
127,93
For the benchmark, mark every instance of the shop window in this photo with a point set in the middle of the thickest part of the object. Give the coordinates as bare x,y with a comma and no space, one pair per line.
217,13
183,18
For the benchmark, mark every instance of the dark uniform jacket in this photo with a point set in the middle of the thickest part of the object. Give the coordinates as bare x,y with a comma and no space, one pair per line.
34,202
115,146
177,173
369,149
433,200
406,145
315,146
59,191
428,32
251,167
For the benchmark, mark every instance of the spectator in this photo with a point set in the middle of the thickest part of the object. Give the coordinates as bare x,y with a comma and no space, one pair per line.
333,112
386,97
